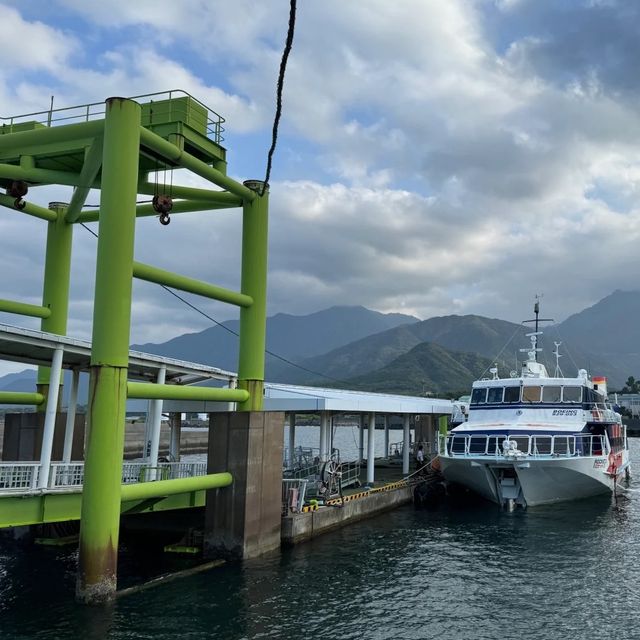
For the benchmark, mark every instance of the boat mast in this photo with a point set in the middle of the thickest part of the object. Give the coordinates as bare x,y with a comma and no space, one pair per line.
537,320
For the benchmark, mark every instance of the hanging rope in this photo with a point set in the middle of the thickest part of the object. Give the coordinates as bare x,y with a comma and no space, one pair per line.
283,67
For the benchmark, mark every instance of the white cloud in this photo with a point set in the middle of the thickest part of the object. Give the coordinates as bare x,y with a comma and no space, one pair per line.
27,46
441,164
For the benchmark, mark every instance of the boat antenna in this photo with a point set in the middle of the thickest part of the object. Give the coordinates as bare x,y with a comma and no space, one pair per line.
538,319
558,372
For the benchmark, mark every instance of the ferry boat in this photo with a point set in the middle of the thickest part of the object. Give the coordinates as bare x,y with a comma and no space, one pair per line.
533,439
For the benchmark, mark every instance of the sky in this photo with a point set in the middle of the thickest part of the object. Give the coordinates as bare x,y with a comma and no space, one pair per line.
434,157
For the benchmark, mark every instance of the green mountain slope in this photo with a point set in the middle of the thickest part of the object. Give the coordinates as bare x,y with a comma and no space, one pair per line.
469,334
294,337
427,367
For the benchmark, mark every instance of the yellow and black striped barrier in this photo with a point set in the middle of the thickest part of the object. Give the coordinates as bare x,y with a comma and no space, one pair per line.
392,486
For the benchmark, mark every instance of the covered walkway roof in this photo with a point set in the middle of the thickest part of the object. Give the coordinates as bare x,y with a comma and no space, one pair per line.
36,347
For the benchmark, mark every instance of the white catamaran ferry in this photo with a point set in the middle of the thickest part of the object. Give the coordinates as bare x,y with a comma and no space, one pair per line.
532,439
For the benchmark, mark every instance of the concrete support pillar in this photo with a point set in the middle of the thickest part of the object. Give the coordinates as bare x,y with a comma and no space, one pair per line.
292,438
176,430
324,436
386,435
50,420
371,449
71,417
243,521
101,495
361,420
253,319
156,425
406,432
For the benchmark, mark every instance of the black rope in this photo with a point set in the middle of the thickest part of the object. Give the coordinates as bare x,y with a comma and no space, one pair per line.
283,67
231,331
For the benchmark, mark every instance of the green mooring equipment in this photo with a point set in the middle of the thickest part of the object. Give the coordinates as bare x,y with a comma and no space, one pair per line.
114,147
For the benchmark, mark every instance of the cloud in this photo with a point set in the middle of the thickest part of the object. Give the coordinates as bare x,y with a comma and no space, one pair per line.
33,46
434,157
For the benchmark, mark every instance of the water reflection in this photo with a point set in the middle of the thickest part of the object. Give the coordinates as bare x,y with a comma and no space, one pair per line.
460,572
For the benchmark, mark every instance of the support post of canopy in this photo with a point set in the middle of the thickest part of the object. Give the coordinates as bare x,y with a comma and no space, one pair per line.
386,435
361,420
406,432
100,518
292,438
156,425
71,417
50,420
324,436
176,428
371,449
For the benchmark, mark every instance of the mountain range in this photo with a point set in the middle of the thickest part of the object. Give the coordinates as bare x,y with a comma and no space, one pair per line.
354,347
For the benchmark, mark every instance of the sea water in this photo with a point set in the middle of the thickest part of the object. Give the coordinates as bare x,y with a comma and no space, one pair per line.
468,571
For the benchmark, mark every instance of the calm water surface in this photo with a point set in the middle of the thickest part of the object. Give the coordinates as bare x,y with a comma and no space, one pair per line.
568,571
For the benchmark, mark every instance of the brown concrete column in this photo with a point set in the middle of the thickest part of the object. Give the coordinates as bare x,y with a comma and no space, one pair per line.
243,521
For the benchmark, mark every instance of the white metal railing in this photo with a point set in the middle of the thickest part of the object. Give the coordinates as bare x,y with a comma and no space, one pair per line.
515,446
23,476
19,476
396,449
300,457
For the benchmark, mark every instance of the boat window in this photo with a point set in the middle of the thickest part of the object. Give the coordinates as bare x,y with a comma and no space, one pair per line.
551,394
479,396
495,395
531,394
512,394
571,394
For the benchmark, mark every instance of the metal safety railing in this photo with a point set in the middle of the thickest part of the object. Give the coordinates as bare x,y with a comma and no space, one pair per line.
397,448
23,476
212,122
300,457
19,476
536,446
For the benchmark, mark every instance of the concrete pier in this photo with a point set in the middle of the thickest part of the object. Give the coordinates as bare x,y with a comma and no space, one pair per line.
300,527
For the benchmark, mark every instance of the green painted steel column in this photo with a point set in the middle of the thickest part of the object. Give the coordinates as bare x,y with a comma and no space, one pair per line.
443,429
57,276
100,518
253,319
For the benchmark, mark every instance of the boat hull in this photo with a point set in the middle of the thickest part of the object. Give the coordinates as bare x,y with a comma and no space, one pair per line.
541,481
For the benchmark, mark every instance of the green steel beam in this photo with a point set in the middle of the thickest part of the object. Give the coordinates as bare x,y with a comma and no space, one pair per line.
151,391
29,208
160,276
57,278
99,527
23,309
90,169
162,488
172,153
18,397
146,210
193,193
253,319
23,510
37,176
21,141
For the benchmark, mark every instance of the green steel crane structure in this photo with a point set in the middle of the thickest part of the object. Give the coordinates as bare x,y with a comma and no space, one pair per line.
113,147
